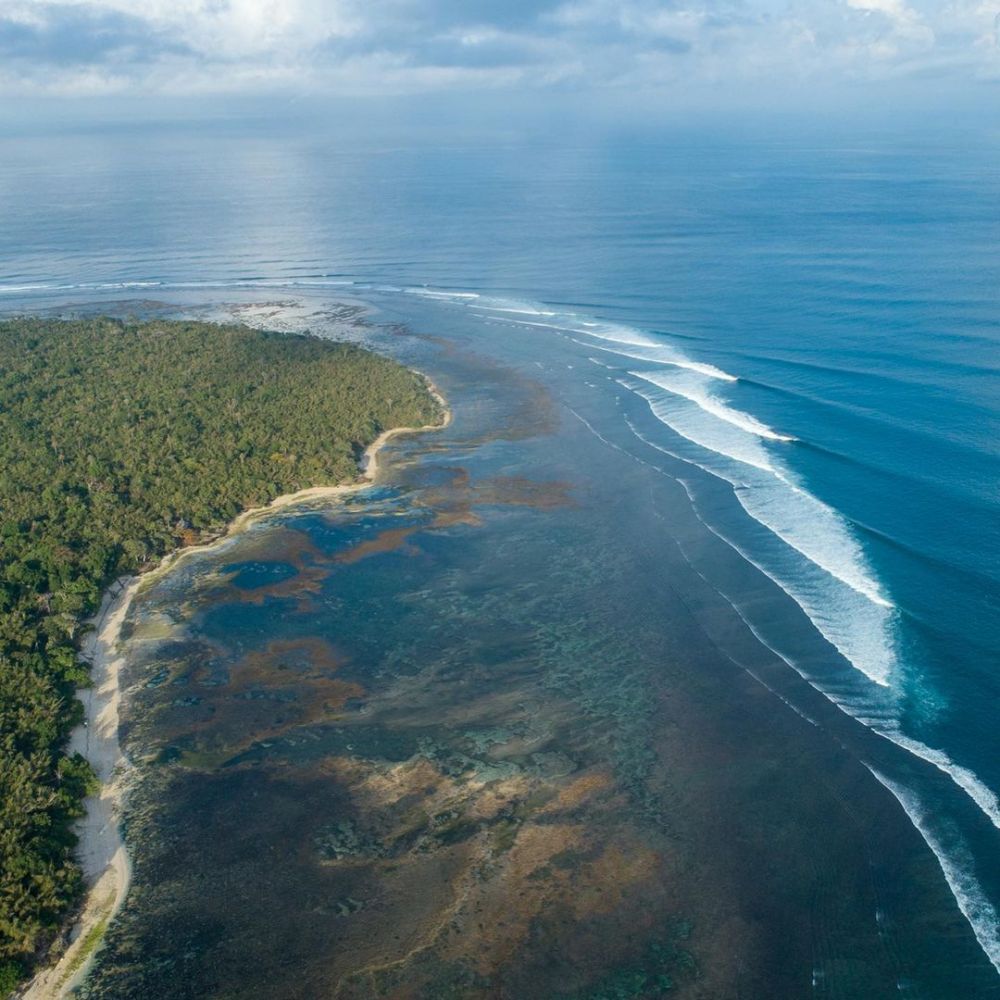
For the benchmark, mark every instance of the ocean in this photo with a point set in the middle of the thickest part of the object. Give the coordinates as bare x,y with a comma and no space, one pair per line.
792,328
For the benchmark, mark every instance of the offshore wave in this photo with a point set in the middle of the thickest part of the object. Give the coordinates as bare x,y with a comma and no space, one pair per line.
841,557
972,576
520,309
966,779
813,529
432,293
714,437
877,715
824,368
899,478
865,416
653,350
658,351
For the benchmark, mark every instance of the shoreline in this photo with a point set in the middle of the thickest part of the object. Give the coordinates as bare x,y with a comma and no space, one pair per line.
101,851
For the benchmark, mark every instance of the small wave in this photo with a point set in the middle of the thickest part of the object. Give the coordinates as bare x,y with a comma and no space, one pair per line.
110,285
525,310
547,325
664,353
432,293
877,378
656,355
746,621
13,289
975,907
659,352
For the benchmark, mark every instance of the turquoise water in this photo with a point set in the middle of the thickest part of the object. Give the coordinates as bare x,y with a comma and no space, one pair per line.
798,327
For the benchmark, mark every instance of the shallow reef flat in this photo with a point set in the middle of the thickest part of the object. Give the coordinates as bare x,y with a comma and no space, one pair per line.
465,735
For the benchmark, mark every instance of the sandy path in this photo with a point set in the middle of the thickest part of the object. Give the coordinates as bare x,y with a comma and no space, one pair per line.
101,851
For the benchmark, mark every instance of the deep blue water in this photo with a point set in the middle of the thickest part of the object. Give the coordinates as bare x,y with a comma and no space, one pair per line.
808,321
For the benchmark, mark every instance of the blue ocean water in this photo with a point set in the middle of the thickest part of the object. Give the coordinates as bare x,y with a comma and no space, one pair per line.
808,319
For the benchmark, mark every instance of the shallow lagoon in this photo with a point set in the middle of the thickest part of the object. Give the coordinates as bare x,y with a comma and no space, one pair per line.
490,729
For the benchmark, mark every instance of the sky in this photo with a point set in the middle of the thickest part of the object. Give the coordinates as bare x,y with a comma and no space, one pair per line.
67,48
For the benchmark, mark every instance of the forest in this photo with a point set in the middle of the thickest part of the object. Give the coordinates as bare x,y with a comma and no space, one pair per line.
119,441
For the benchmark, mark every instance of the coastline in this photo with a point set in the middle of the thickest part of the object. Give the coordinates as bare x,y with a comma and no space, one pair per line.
101,851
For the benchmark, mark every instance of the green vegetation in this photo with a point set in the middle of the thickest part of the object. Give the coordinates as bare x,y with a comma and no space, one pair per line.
118,442
91,940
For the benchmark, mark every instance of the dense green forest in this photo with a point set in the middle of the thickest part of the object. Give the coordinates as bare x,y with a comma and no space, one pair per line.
118,442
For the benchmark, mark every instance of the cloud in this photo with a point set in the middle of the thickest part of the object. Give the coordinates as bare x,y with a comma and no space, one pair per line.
77,36
898,28
184,46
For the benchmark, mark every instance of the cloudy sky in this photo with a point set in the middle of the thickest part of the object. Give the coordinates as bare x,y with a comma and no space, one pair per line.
98,47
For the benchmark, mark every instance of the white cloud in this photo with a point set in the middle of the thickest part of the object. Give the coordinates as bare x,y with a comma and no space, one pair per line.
184,46
898,27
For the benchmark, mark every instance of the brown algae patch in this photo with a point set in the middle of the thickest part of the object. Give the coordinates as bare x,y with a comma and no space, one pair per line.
263,695
524,492
389,540
504,865
580,790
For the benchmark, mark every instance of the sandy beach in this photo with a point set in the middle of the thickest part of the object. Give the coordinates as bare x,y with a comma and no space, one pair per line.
101,851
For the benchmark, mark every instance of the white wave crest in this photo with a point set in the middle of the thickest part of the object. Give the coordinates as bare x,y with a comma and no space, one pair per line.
657,355
432,293
721,440
966,779
13,289
801,520
512,309
975,907
697,393
830,583
879,718
659,350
